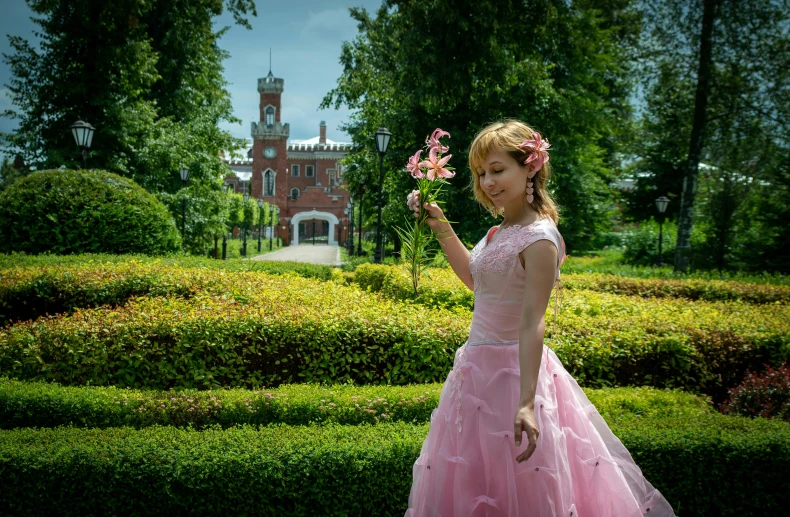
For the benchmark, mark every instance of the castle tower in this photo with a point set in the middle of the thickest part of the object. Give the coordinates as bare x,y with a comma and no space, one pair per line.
269,149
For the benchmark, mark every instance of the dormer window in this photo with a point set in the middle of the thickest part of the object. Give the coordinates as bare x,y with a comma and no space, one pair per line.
270,116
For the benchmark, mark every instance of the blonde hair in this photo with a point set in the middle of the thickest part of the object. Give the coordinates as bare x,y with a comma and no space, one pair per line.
507,135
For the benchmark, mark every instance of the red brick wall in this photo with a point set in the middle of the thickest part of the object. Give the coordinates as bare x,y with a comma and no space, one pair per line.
274,100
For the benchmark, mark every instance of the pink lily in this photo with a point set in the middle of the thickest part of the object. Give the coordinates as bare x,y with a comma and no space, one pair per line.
413,200
539,148
433,140
436,166
414,165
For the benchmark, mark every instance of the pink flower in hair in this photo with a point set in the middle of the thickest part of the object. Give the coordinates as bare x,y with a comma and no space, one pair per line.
436,166
539,148
433,140
414,165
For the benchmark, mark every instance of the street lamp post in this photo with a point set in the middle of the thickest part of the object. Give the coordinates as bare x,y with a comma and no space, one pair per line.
346,213
359,238
661,204
382,142
184,178
260,222
83,135
244,245
271,224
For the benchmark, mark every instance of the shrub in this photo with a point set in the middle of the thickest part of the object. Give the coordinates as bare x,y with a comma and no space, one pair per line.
255,329
31,292
709,465
765,395
443,288
41,404
66,211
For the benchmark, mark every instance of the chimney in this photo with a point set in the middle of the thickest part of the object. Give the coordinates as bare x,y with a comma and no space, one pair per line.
322,138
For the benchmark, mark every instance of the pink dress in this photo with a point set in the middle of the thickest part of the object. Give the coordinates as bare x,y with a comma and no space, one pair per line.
467,465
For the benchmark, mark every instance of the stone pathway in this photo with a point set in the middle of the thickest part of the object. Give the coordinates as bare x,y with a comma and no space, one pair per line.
318,254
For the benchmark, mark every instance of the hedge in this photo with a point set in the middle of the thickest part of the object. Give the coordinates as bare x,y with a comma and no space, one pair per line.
710,465
30,292
40,404
67,211
269,330
261,330
442,287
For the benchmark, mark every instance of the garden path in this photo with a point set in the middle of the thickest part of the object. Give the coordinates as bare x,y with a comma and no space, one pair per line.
318,254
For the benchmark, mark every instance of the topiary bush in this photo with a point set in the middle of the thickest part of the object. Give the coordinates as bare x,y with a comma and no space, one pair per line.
83,211
765,395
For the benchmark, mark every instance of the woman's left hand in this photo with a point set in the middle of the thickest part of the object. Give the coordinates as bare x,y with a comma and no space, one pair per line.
525,422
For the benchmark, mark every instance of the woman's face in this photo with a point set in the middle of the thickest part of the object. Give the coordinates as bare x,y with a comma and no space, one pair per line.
503,179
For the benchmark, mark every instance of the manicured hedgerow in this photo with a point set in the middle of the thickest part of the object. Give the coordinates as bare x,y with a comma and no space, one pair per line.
30,292
708,465
261,330
267,330
38,404
443,288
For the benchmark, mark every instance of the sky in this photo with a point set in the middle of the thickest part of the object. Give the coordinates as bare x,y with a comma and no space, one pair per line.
305,37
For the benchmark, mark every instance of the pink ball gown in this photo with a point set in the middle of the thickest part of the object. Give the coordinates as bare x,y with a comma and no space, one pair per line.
467,465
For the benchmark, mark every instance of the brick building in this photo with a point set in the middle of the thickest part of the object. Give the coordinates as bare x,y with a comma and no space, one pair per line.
301,177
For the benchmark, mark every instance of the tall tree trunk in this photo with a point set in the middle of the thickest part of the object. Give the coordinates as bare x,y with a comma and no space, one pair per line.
685,217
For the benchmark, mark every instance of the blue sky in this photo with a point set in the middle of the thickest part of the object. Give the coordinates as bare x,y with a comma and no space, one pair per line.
305,37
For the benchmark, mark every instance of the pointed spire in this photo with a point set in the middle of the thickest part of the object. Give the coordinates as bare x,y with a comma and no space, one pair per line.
270,62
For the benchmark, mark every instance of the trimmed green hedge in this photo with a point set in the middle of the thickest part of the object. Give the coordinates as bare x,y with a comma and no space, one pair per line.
261,330
37,404
82,211
442,287
710,465
30,292
258,329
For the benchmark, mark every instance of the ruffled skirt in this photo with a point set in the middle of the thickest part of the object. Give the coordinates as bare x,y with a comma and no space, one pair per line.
467,465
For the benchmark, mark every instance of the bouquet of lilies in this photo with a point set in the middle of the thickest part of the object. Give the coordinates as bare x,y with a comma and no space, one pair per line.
431,176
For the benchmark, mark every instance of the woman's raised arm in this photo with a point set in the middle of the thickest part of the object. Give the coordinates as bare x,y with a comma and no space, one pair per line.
455,251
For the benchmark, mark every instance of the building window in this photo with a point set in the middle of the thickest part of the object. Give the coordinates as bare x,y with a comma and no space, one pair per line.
308,171
331,179
270,116
268,183
295,171
294,194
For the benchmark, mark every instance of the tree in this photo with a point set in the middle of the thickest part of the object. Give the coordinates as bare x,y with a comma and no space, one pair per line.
148,76
734,56
457,65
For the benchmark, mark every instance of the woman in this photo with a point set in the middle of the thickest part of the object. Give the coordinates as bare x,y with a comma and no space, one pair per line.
505,383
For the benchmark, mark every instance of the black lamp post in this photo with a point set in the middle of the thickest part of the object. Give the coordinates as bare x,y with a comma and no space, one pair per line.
348,218
184,178
361,205
260,223
246,224
271,224
382,142
661,204
83,135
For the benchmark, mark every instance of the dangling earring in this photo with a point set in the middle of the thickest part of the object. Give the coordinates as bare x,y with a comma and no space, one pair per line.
530,190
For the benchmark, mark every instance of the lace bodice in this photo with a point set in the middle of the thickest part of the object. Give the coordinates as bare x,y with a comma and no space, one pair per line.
499,278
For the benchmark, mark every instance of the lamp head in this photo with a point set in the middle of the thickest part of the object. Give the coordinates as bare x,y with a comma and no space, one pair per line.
661,204
184,174
260,203
83,133
383,137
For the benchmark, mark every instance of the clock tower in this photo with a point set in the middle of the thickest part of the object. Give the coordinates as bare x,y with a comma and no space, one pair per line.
269,159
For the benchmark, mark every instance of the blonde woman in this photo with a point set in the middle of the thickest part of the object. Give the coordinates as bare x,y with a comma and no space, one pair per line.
514,434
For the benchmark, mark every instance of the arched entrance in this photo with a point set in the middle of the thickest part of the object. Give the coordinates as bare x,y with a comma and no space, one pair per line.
308,217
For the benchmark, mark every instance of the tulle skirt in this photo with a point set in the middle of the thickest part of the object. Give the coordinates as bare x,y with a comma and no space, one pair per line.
467,465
